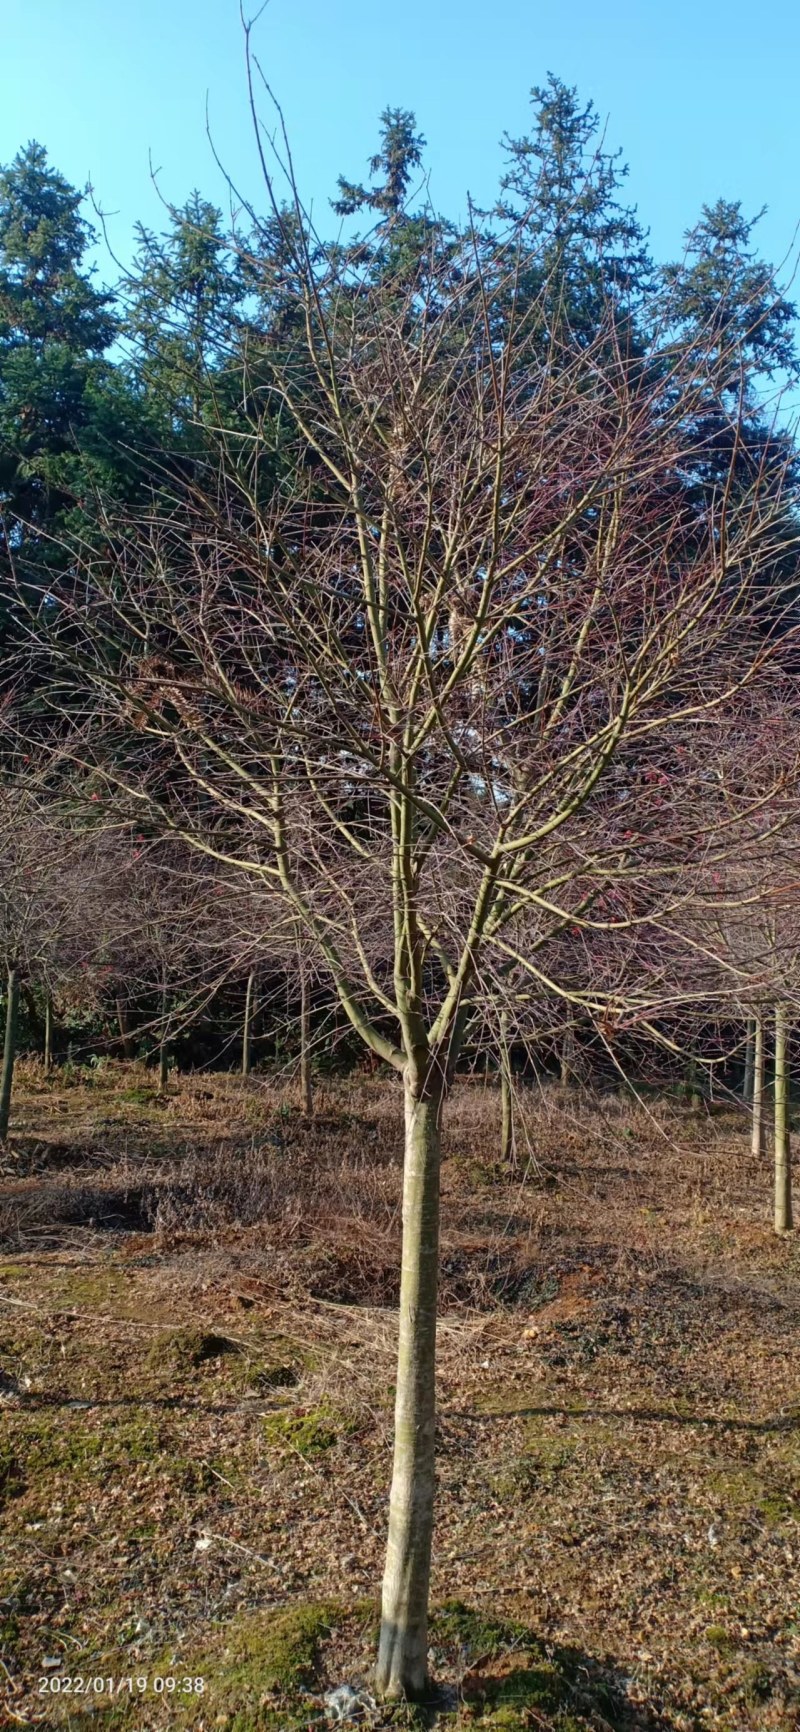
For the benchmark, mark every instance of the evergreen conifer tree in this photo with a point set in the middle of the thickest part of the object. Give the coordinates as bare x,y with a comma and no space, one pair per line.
183,314
57,398
586,251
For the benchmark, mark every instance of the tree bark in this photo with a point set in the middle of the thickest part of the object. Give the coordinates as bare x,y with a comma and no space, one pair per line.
403,1649
783,1169
749,1062
695,1096
757,1143
248,1022
124,1030
567,1073
163,1067
306,1091
9,1048
48,1034
506,1097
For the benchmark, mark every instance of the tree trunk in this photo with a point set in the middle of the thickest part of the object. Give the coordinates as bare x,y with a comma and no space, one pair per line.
783,1170
124,1030
403,1649
306,1092
749,1062
48,1034
248,1023
567,1059
163,1069
506,1097
758,1087
695,1096
9,1048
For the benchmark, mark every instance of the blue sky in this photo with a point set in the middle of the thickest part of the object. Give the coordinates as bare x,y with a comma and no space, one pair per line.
701,94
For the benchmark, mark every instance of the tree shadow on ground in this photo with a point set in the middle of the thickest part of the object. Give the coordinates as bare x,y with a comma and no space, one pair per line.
781,1422
510,1677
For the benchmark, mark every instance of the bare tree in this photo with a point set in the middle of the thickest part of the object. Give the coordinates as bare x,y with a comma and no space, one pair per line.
48,858
443,694
757,934
152,944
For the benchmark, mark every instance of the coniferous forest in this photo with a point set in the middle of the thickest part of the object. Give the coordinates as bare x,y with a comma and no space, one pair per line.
400,922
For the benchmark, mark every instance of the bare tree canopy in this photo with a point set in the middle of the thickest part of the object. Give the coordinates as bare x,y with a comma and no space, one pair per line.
447,685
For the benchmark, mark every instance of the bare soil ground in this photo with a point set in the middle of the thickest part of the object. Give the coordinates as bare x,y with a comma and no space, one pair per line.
197,1335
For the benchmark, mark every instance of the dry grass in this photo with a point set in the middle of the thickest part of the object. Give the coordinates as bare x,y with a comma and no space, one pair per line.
197,1332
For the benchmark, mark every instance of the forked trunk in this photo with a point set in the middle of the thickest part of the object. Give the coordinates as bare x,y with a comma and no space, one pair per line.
9,1048
306,1093
749,1061
248,1023
758,1087
783,1169
48,1034
403,1650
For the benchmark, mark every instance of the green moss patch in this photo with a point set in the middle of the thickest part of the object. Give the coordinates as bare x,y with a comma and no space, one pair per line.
258,1667
75,1448
719,1639
538,1689
514,1681
259,1376
310,1434
475,1635
757,1683
551,1454
183,1350
137,1096
742,1490
67,1457
11,1477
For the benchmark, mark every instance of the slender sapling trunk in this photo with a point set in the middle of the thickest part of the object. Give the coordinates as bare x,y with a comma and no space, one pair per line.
9,1047
506,1096
783,1170
403,1649
163,1067
124,1030
248,1022
758,1086
48,1034
306,1091
567,1059
749,1061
